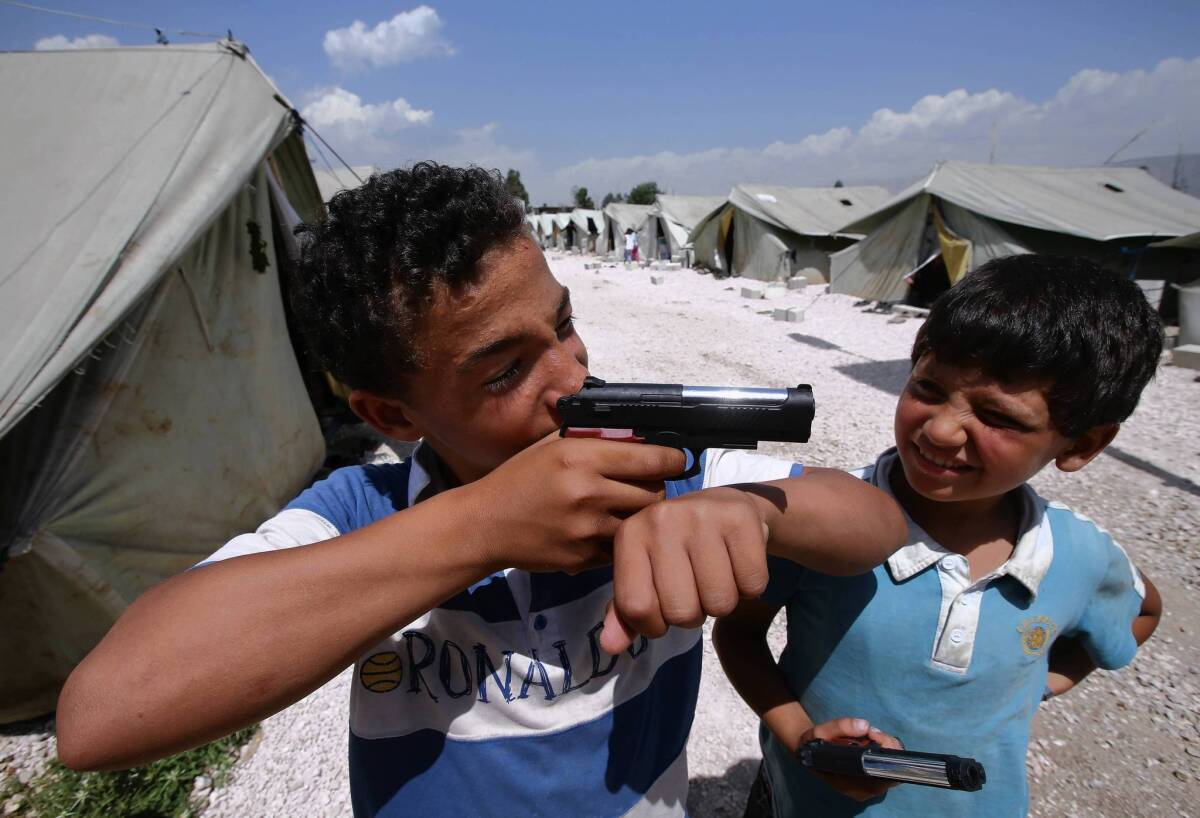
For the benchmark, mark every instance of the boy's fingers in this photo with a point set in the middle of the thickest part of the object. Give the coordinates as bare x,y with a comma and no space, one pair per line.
616,636
885,740
846,727
715,581
676,585
634,594
748,558
638,461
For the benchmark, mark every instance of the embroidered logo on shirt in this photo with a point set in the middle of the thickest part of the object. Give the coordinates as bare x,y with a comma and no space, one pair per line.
1037,633
381,672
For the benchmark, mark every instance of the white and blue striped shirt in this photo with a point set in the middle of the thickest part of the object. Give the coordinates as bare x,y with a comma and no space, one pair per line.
500,699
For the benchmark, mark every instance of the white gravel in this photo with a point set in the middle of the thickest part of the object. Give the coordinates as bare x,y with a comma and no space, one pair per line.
1125,744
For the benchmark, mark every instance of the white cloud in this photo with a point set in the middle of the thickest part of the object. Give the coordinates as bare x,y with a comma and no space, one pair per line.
358,128
1090,116
59,42
408,36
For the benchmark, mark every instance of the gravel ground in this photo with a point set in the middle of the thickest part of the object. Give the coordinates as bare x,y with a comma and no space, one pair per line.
1124,744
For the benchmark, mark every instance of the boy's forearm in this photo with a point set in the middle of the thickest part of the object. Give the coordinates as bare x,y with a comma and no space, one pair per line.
222,646
831,522
747,661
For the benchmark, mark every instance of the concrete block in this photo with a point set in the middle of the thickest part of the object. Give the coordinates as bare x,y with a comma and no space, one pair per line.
780,314
595,265
775,291
1186,356
796,315
752,292
657,279
797,283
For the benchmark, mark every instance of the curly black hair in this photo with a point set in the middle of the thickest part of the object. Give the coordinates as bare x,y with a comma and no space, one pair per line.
367,270
1090,332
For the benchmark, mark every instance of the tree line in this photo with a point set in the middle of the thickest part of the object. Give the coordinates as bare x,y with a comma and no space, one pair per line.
642,194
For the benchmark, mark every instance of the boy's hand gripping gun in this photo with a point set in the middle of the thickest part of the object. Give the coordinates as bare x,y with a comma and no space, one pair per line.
690,418
865,759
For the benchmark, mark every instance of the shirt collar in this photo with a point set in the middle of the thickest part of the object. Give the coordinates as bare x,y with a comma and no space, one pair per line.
428,475
1030,559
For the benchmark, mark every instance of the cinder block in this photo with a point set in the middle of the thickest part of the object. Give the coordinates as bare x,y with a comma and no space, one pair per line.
1186,356
781,314
797,283
795,315
657,279
752,292
592,266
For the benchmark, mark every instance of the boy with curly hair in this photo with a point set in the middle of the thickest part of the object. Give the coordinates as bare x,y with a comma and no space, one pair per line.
502,664
999,598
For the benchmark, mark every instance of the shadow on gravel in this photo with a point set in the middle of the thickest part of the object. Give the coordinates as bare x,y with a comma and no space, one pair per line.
1168,479
886,376
723,797
812,341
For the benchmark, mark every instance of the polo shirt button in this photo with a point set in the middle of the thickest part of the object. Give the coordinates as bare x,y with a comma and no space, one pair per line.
948,563
957,635
539,622
962,600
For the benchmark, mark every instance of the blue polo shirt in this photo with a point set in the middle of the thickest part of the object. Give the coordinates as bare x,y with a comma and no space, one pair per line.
947,664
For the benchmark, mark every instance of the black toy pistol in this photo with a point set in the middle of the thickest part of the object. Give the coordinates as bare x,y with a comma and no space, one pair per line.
870,760
690,418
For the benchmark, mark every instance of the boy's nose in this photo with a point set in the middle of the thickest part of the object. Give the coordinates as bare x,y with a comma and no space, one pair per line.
568,379
944,429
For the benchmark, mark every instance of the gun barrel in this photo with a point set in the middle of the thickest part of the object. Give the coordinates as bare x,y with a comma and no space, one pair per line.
929,769
711,415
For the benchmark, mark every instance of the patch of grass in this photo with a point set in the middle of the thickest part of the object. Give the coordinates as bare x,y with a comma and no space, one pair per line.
157,790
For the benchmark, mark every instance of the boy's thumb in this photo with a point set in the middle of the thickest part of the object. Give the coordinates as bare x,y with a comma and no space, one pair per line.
616,636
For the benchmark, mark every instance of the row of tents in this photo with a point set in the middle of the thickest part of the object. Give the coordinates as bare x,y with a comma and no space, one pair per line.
870,244
154,400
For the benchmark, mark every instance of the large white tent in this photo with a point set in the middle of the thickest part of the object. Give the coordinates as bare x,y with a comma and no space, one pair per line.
151,404
339,178
962,215
619,217
585,230
771,233
675,216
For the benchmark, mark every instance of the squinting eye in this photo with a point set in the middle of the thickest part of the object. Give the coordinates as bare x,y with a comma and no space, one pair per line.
567,324
504,380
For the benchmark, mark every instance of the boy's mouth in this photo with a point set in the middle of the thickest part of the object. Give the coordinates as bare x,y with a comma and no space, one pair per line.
938,465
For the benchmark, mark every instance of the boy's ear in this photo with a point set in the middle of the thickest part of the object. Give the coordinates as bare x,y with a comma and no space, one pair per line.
388,416
1083,449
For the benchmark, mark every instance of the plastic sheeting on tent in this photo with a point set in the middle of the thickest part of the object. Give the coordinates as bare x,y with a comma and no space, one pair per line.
151,405
619,217
342,178
1001,210
776,232
677,215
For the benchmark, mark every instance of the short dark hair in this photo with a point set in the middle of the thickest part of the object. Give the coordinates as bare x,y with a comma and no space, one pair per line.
1088,331
367,270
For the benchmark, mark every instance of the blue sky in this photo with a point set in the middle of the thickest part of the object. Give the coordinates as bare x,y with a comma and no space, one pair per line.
702,95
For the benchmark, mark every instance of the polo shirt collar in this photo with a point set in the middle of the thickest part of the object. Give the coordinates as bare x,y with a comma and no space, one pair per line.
428,475
1030,559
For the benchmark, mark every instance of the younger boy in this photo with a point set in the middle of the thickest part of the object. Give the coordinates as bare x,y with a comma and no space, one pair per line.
999,598
500,667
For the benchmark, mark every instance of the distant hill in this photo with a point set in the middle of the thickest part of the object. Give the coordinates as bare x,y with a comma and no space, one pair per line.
1162,168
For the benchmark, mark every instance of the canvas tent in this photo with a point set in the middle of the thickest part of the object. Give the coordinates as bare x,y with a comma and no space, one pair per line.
342,178
585,230
619,217
151,405
674,217
963,214
771,233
